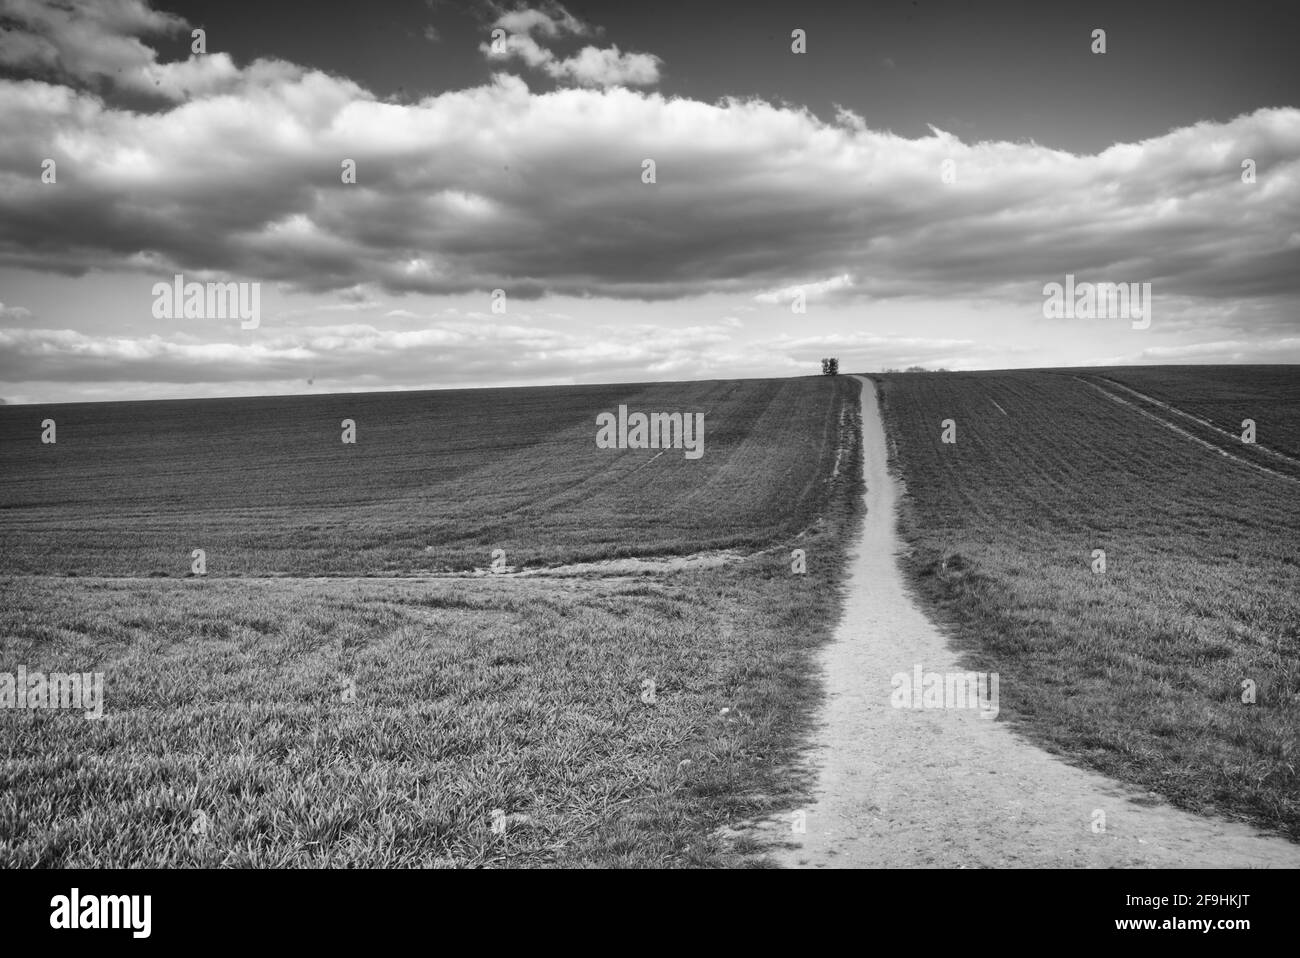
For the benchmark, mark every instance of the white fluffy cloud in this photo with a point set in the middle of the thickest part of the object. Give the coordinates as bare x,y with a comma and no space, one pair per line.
591,66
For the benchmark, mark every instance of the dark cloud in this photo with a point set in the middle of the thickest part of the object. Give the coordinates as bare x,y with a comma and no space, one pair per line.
498,186
87,43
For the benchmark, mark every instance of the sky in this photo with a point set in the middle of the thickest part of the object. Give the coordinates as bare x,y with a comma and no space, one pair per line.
892,183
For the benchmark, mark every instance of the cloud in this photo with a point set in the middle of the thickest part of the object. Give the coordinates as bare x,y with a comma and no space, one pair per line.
497,186
607,67
85,42
445,349
518,46
14,312
1285,349
591,66
550,19
810,291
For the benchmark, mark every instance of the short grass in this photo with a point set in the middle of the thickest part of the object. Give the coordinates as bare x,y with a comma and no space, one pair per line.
1138,671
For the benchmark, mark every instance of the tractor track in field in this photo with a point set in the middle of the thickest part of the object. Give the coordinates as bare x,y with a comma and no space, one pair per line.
1292,460
935,787
1187,435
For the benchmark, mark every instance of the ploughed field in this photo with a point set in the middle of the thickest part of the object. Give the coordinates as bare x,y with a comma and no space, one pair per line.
1141,670
312,701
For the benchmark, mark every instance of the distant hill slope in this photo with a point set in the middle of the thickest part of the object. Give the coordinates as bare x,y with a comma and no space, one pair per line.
436,479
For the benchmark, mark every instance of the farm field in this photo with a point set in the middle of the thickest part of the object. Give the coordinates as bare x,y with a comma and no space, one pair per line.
257,718
1138,671
435,481
1212,411
1270,395
338,690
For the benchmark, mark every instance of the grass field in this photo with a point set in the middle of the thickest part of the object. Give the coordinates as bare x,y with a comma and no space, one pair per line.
435,480
1137,671
474,697
382,721
1270,395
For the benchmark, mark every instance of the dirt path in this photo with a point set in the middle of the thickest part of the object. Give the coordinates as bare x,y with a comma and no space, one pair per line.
626,568
945,787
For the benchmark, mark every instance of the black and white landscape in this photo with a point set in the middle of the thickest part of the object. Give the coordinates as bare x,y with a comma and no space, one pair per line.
522,435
